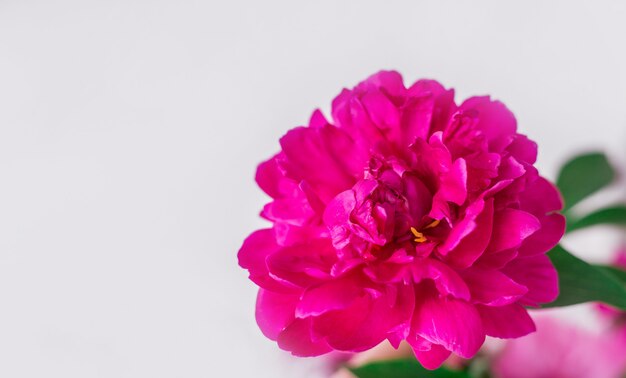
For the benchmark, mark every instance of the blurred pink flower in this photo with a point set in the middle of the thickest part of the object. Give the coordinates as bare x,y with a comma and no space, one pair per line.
408,217
558,350
616,317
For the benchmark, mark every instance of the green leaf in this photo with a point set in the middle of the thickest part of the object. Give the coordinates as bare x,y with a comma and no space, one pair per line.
583,176
581,282
403,368
618,273
610,215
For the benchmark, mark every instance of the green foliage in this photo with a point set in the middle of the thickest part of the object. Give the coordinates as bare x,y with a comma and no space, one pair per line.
581,282
403,368
583,176
611,215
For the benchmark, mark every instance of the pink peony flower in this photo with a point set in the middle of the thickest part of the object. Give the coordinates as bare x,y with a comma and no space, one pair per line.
559,350
408,217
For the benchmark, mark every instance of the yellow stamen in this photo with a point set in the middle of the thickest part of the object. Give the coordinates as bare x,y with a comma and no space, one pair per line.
434,223
419,237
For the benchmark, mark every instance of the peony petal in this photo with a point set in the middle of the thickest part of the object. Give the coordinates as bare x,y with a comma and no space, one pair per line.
510,228
252,255
419,198
482,168
315,156
294,211
381,111
464,226
371,221
288,235
495,120
331,295
433,358
337,217
536,273
255,249
373,110
367,321
540,197
472,246
296,338
317,119
454,324
302,265
454,183
492,287
349,329
523,149
350,115
430,355
446,280
496,260
510,169
274,312
506,322
389,82
444,105
452,177
273,181
388,271
417,117
548,236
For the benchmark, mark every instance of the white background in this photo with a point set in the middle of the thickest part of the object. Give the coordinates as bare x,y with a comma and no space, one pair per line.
130,132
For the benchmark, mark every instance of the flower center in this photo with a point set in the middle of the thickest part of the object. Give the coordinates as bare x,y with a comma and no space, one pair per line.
419,236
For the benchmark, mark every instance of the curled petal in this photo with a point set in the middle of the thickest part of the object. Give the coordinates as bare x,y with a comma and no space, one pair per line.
297,339
447,280
430,355
452,323
337,218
